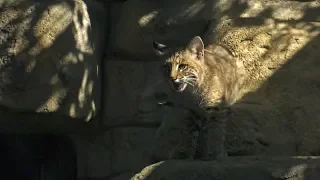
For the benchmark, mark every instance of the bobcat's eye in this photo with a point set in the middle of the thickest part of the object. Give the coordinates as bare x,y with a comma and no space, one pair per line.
182,66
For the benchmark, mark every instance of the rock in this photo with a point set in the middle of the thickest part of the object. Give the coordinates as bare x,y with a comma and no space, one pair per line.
130,88
173,23
50,57
293,168
123,176
93,154
132,149
278,50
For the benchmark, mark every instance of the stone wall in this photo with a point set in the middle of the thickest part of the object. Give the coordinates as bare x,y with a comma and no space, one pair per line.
51,54
59,74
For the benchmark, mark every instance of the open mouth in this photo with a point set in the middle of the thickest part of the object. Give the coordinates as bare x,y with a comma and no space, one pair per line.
179,87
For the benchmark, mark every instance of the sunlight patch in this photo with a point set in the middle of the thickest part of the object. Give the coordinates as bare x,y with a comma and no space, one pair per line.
146,19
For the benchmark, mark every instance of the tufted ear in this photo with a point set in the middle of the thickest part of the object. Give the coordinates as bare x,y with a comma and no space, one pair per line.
159,49
196,47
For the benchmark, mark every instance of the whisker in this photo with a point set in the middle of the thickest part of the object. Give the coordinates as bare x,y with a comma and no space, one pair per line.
191,84
189,81
187,78
191,77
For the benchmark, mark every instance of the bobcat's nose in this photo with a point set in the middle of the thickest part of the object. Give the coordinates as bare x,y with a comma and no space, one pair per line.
176,80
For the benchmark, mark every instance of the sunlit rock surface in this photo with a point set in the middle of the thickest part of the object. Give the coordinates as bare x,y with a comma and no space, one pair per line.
50,56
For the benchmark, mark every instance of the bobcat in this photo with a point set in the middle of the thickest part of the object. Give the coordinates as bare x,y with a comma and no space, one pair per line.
215,78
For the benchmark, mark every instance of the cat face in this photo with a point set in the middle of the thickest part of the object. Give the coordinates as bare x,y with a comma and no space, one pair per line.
183,68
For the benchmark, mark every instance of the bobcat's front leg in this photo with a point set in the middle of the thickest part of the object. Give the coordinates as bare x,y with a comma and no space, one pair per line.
215,135
187,145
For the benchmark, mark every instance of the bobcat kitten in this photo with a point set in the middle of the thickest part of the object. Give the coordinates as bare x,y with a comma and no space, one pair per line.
215,77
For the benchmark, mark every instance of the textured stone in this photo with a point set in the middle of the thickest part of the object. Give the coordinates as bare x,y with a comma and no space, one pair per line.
132,149
278,43
158,20
255,168
50,56
93,154
130,89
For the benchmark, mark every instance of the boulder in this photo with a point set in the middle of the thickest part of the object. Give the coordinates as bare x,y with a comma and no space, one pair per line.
255,168
50,61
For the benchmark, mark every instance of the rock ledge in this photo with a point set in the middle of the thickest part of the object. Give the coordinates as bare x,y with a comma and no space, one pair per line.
242,168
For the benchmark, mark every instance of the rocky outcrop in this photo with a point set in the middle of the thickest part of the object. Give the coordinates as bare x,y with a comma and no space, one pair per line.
51,56
53,78
295,168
